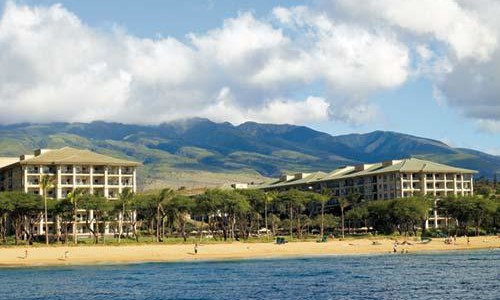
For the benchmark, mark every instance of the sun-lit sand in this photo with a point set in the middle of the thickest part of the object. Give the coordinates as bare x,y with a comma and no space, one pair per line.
86,255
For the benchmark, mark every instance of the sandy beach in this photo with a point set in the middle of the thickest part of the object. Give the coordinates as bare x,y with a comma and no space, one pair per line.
88,255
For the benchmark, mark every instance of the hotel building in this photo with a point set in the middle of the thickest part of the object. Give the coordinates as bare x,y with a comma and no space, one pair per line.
71,169
385,180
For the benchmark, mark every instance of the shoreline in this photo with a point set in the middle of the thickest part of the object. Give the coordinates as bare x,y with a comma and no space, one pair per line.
13,257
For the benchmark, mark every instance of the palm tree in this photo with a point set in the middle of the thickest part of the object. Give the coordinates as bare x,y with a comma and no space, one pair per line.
126,198
164,196
179,208
323,198
343,204
46,182
74,197
269,197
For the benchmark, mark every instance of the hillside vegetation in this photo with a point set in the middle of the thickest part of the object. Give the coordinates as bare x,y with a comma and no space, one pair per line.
199,152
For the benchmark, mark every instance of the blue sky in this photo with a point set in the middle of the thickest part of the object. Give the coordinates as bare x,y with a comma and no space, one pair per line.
405,102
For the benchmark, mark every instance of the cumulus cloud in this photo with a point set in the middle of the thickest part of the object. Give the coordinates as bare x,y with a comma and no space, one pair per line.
457,47
56,68
300,64
444,20
352,60
312,109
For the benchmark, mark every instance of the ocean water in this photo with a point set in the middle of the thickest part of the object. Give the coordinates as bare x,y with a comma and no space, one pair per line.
452,275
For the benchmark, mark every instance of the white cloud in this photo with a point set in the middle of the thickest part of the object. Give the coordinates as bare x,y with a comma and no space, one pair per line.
353,61
241,42
56,68
444,20
456,43
491,126
53,67
312,109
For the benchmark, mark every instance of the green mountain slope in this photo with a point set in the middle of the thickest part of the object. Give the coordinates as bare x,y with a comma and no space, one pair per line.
195,152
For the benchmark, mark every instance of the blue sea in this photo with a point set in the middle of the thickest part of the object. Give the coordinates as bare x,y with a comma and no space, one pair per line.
452,275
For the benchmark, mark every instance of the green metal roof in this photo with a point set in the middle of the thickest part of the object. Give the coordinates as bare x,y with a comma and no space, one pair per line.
409,165
68,155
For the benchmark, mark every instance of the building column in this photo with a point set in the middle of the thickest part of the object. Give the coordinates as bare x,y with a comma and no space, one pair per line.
74,177
91,172
40,171
471,185
455,184
411,184
134,176
401,185
434,183
462,184
106,189
424,183
445,184
58,187
120,180
25,178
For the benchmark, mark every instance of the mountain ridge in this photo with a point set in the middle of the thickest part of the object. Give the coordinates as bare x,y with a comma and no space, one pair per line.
200,145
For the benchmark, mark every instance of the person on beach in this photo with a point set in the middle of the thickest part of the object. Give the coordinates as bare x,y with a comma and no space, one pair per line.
196,248
395,247
26,254
468,241
66,254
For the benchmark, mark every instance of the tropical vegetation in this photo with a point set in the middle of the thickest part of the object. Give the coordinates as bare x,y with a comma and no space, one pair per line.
223,215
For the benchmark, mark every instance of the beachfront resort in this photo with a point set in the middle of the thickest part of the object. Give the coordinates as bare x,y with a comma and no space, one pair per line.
109,177
71,169
390,179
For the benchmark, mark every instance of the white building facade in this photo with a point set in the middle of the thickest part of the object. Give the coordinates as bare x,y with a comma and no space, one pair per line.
386,180
70,169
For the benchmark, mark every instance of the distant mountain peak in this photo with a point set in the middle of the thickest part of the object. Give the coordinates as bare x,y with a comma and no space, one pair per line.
268,149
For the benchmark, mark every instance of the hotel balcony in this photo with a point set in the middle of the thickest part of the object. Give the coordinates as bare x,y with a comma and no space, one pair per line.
98,170
127,171
98,182
113,171
82,170
33,170
49,170
33,184
113,182
127,182
67,170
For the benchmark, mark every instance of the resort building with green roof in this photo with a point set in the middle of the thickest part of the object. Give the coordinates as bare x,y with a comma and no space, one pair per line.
390,179
70,169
